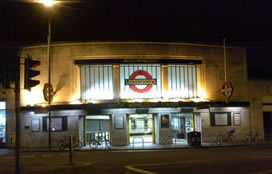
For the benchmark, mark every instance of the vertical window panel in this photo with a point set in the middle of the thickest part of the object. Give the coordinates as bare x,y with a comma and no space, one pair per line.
96,82
182,81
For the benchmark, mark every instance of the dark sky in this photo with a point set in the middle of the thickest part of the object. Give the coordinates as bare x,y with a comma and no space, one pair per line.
245,23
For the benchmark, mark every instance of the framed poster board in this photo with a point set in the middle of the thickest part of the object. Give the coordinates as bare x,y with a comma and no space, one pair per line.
119,122
237,119
35,125
165,121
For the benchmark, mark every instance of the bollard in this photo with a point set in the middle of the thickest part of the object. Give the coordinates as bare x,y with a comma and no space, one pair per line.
71,150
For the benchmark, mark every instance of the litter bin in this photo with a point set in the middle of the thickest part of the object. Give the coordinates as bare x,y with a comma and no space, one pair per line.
194,138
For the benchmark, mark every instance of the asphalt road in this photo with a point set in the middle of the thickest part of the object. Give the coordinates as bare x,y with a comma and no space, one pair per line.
226,160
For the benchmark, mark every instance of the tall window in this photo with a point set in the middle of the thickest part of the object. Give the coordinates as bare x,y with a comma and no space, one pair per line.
96,82
182,81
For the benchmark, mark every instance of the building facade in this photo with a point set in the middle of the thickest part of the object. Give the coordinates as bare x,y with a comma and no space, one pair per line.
261,106
135,89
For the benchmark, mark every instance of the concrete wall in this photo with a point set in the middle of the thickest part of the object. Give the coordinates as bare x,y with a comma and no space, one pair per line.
209,132
39,139
165,134
119,136
66,77
260,92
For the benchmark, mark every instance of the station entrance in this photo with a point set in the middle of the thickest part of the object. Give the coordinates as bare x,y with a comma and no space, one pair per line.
141,128
97,127
2,124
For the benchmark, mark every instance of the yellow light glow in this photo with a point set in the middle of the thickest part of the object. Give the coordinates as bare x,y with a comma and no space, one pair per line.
75,102
34,97
201,93
155,100
48,3
137,100
75,99
44,105
198,99
175,100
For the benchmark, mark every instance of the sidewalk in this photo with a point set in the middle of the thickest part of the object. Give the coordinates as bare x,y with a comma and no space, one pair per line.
137,146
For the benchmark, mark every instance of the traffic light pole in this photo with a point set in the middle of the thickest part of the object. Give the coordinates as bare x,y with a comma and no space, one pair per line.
49,80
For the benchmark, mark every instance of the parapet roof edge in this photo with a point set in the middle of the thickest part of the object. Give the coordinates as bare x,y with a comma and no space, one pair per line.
42,45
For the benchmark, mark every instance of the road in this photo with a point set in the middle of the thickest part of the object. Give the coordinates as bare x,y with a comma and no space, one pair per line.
226,160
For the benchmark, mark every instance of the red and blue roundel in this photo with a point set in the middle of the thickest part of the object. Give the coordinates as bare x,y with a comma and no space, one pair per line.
134,82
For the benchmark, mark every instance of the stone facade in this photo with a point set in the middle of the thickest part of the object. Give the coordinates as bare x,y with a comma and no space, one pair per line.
65,75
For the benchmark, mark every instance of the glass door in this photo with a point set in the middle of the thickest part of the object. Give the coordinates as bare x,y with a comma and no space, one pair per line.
182,123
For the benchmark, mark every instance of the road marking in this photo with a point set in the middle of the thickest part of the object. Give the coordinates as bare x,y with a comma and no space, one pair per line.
139,170
263,172
133,167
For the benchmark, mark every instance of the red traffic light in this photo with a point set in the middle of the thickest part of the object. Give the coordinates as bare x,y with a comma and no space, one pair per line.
30,73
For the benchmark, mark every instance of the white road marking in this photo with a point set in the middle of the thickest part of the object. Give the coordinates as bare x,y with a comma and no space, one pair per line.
139,170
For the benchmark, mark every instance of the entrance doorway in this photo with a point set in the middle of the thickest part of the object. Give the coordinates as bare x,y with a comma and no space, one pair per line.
267,118
141,128
182,123
2,124
97,126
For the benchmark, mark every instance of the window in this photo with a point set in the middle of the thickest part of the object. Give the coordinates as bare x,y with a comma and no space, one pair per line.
220,119
182,81
57,124
96,82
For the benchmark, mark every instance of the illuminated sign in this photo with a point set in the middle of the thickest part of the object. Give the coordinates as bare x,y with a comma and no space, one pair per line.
134,82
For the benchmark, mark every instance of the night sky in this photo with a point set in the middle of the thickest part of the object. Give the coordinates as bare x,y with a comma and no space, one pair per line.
245,23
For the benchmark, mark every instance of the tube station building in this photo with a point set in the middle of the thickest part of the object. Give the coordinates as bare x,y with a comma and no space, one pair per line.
127,90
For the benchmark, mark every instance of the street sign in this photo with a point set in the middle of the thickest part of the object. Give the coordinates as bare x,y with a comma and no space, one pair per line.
46,90
227,90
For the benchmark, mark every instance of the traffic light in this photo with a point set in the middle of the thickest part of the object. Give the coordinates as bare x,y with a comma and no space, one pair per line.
30,73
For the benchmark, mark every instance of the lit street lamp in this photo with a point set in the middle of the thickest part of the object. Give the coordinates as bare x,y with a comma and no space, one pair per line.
49,4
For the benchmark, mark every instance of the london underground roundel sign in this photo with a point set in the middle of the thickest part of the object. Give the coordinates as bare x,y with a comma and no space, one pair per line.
134,82
226,89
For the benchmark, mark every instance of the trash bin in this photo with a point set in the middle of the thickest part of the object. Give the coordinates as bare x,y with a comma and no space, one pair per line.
194,138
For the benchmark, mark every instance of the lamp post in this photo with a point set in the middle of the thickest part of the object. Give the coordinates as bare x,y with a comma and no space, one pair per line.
49,4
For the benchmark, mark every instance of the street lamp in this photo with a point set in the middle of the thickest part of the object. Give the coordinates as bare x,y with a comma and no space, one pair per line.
49,4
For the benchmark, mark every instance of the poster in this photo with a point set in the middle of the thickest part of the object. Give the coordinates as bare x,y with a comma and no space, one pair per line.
237,119
165,121
221,119
35,125
119,122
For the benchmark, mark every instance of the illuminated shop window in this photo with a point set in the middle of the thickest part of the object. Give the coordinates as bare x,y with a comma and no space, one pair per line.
182,81
2,122
96,82
140,81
